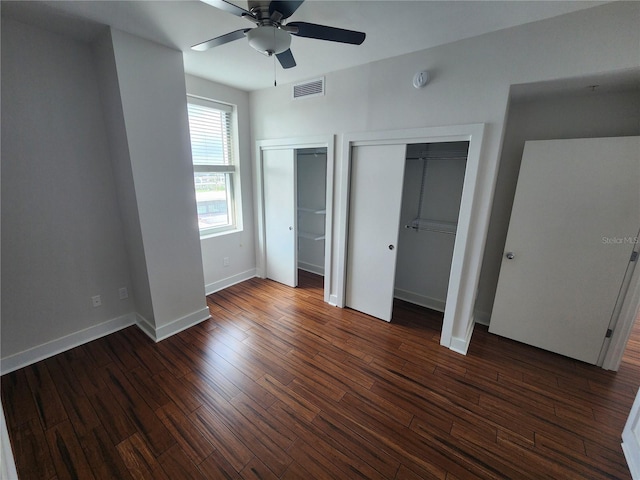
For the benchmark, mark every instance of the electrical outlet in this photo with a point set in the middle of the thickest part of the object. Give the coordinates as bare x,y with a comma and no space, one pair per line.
225,262
123,293
96,301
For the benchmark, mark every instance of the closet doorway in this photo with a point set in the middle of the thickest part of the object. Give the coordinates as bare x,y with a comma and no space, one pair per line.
294,205
431,196
403,216
464,268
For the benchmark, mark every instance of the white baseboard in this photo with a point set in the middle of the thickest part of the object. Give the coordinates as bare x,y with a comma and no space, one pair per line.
59,345
333,300
417,299
194,318
309,267
176,326
227,282
461,345
49,349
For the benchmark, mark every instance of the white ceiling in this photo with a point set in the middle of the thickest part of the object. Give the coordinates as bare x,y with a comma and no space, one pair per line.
393,28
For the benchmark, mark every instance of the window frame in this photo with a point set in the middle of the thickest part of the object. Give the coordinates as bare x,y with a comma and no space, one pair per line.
231,170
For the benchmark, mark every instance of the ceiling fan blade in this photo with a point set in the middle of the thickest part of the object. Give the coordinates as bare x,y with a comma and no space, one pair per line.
286,8
229,8
286,59
322,32
221,40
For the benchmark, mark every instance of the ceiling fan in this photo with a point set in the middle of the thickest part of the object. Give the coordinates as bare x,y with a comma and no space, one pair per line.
272,36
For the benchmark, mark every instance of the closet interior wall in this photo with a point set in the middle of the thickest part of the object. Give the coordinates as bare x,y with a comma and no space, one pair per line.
433,182
312,185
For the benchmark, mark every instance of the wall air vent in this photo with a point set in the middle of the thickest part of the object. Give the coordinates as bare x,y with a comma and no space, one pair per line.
313,88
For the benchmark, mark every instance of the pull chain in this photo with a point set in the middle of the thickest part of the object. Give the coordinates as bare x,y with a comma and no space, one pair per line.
275,83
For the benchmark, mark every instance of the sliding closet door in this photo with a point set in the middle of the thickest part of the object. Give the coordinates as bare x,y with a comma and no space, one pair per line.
279,187
377,174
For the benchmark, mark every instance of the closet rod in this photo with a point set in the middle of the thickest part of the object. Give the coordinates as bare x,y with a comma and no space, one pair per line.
440,157
427,229
422,225
315,154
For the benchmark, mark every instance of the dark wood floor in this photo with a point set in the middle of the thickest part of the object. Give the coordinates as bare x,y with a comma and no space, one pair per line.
280,385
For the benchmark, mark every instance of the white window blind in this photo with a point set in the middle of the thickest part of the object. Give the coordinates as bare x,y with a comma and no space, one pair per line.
211,141
212,148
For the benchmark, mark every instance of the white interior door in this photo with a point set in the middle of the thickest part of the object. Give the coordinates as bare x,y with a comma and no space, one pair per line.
280,219
377,174
631,439
575,214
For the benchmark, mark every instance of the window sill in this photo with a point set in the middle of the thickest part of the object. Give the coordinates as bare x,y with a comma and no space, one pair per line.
219,233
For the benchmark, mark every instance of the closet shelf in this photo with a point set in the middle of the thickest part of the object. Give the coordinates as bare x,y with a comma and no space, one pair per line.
315,211
422,224
311,236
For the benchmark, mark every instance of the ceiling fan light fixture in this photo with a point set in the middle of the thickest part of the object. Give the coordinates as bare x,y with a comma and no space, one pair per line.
269,40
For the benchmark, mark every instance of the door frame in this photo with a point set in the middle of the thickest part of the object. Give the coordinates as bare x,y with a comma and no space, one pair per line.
458,322
294,143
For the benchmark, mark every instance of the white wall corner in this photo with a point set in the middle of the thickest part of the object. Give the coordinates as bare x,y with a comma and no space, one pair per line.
7,462
483,318
146,326
59,345
176,326
229,281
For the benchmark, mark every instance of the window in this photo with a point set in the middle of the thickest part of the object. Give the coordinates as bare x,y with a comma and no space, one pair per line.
211,126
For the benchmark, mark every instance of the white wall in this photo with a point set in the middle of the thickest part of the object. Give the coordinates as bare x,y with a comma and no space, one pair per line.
471,81
62,236
546,118
154,106
238,246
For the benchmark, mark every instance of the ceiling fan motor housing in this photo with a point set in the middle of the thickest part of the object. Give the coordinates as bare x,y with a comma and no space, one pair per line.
269,39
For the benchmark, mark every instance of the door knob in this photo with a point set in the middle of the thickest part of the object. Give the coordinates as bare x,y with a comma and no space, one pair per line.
391,247
290,228
510,255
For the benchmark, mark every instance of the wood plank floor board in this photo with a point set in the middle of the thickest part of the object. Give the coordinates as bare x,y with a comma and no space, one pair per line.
230,446
102,455
271,428
256,470
31,450
112,417
45,394
289,399
68,456
81,413
139,460
17,400
177,464
217,466
193,443
279,384
147,387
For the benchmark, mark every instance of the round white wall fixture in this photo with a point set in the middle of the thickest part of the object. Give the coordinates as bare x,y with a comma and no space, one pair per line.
420,79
